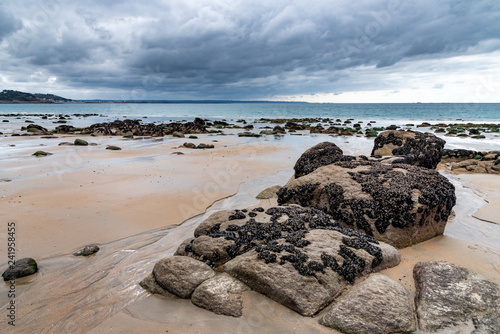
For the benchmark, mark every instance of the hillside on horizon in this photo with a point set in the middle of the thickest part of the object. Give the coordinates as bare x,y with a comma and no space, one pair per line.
14,96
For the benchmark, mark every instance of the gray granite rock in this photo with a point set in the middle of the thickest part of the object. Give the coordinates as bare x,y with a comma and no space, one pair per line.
452,297
181,275
221,295
378,305
22,267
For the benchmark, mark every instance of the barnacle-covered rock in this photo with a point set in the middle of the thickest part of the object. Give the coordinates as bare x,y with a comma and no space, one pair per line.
411,147
317,156
398,204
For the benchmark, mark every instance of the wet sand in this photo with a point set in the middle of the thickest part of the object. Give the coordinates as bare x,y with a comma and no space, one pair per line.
132,202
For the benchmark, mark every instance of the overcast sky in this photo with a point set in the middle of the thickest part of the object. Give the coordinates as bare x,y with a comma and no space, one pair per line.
318,51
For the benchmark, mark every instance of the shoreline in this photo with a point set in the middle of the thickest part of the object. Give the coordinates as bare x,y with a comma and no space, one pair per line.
141,202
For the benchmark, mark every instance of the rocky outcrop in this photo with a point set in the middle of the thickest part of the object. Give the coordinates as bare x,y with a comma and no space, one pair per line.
477,166
297,256
268,193
221,295
149,284
398,204
317,156
452,297
378,305
181,275
22,267
135,128
36,129
411,147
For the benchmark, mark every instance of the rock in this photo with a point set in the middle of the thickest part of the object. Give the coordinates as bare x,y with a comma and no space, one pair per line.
189,145
87,250
66,143
378,305
248,134
113,148
80,142
204,146
398,204
22,267
178,134
36,129
221,295
269,192
181,275
449,297
193,137
477,166
307,274
149,284
41,154
412,147
279,129
317,156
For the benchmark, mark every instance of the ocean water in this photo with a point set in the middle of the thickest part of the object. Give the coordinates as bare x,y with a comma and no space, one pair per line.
446,112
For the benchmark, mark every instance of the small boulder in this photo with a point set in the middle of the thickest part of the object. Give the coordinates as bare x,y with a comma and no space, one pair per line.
317,156
181,275
113,148
87,250
221,295
415,148
449,297
81,142
189,145
204,146
22,267
378,305
178,134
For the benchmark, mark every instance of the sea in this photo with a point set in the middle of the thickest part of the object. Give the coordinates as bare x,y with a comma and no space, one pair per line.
396,113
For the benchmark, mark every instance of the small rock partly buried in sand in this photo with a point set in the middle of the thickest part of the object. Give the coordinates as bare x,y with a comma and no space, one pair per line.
221,295
41,154
22,267
181,275
66,143
113,148
450,298
377,305
178,153
269,193
204,146
87,250
178,134
81,142
189,145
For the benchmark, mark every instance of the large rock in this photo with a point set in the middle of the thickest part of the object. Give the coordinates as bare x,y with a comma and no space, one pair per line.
181,275
378,305
317,156
22,267
451,297
398,204
221,295
306,271
412,147
477,166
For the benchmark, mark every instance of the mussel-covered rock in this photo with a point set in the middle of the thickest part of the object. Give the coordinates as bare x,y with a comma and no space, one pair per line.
398,204
412,147
317,156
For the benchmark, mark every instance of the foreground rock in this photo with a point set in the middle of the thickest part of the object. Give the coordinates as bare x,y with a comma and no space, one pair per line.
221,295
149,283
449,297
377,305
22,267
398,204
268,193
181,275
414,148
300,257
317,156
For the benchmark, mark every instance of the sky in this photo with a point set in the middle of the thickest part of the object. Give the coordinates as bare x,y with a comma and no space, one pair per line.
315,51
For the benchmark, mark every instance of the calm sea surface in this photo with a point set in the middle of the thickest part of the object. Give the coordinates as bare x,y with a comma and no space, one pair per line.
163,112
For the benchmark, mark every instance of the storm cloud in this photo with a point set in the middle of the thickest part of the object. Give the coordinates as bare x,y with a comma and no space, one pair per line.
242,50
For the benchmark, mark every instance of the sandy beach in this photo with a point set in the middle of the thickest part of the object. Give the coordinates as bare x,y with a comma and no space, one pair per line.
140,203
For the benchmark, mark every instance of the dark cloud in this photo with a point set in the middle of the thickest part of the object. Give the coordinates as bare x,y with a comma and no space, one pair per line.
237,49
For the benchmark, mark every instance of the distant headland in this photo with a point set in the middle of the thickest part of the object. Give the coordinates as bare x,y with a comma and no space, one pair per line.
13,96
